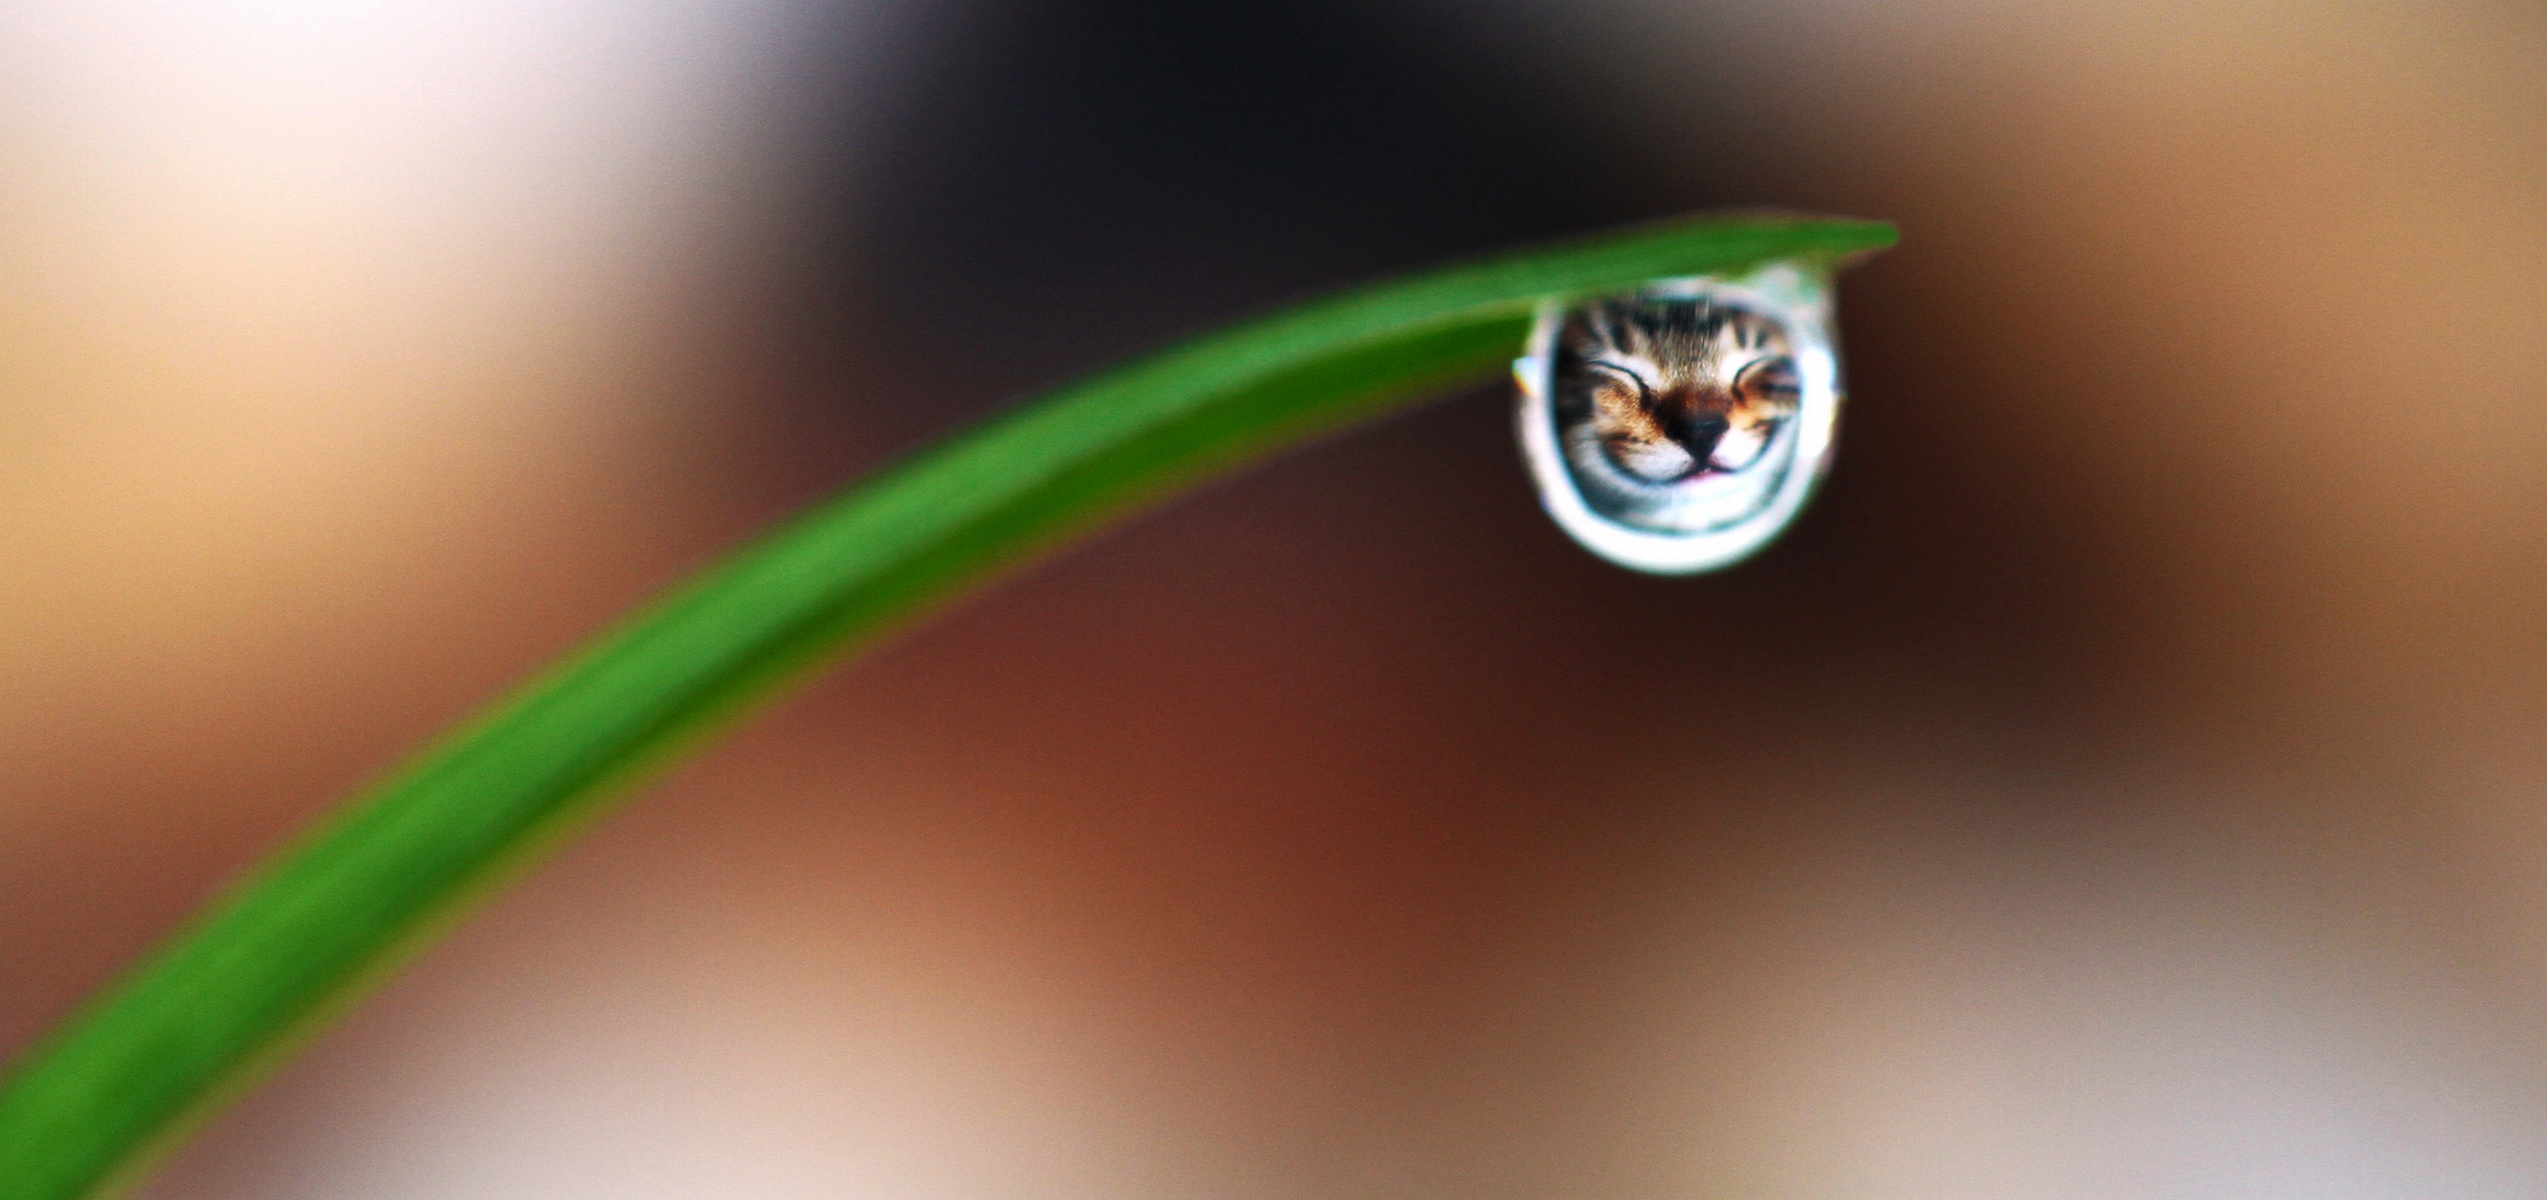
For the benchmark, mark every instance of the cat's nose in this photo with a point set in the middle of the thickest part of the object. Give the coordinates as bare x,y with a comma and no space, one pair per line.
1698,433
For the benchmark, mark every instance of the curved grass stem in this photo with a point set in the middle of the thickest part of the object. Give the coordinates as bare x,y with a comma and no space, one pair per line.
264,967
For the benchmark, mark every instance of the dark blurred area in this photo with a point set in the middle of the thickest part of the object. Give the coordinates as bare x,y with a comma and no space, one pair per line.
2123,781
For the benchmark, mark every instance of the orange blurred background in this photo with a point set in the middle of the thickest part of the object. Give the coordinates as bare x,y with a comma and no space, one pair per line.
2126,780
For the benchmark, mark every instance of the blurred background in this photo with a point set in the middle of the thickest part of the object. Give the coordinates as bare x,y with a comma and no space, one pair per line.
2126,780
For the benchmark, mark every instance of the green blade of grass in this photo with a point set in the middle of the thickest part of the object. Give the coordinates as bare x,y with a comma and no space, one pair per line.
235,990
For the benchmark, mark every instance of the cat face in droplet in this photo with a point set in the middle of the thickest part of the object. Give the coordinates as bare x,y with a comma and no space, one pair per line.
1680,428
1671,389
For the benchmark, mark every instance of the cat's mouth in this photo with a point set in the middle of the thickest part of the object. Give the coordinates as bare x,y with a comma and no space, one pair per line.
1695,444
1668,462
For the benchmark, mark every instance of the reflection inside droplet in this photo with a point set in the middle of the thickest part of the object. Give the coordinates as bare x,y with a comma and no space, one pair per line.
1680,428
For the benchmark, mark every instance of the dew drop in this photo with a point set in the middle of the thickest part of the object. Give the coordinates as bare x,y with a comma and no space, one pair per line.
1680,428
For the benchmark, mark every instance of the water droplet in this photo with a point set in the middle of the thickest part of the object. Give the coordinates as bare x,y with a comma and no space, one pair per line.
1680,428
